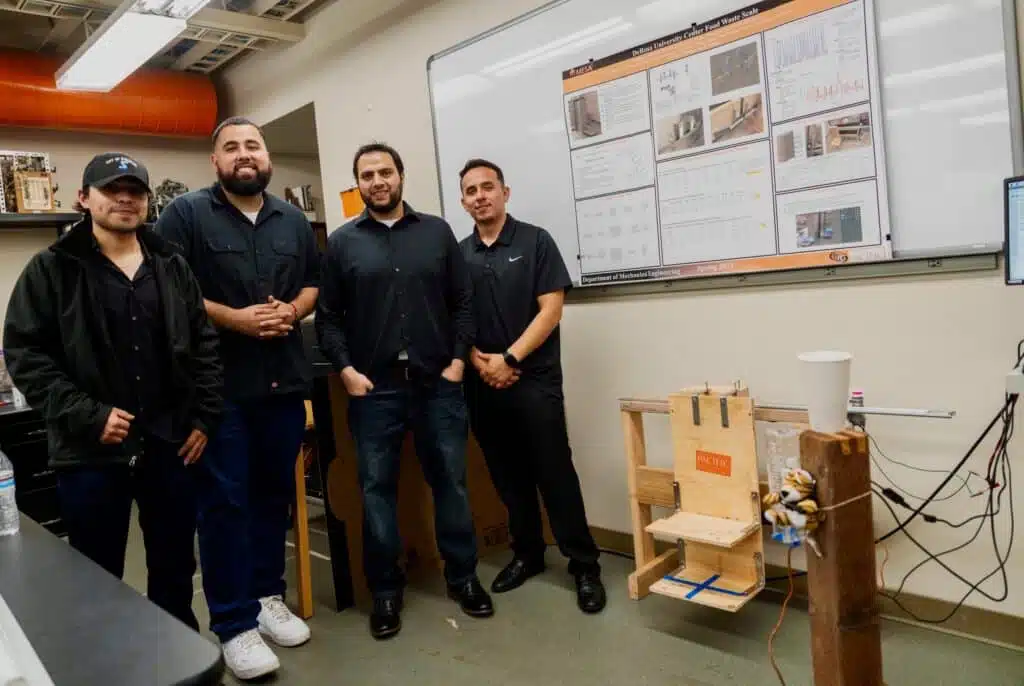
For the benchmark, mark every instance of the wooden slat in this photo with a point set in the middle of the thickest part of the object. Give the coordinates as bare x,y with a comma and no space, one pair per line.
761,414
692,527
645,405
641,580
654,487
302,557
636,459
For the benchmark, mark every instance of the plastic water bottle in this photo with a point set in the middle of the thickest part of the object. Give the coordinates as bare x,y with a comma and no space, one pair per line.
10,521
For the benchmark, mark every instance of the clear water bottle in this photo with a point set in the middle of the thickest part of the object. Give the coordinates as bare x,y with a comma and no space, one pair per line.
10,521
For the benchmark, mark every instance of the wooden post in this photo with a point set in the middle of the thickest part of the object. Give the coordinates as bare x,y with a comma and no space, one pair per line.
845,639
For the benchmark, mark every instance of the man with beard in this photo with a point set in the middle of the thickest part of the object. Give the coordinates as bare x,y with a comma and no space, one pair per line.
515,387
107,336
395,318
256,259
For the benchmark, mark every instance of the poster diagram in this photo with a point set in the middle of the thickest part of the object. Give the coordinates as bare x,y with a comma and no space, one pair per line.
750,142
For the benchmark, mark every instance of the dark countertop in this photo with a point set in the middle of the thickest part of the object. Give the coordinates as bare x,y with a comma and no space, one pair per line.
89,628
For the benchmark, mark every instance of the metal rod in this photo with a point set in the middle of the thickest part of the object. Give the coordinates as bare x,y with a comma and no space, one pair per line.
887,411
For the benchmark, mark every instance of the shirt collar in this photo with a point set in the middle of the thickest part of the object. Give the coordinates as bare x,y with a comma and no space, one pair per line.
505,236
365,219
271,203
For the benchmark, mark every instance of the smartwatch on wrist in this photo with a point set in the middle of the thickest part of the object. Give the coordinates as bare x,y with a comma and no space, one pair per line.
510,360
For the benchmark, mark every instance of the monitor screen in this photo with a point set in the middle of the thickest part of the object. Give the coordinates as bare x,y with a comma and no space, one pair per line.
1014,246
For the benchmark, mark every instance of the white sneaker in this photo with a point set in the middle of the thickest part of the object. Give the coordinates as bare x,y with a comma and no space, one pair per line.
278,622
248,657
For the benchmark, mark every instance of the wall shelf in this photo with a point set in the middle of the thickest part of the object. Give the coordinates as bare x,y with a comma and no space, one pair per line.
55,221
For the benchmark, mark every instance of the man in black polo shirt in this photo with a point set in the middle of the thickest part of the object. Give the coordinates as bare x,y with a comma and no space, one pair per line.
256,259
107,336
395,318
515,387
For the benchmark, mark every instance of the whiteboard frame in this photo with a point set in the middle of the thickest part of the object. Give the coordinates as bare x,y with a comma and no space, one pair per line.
906,263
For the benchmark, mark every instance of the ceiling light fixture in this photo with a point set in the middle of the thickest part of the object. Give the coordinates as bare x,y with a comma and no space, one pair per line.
130,37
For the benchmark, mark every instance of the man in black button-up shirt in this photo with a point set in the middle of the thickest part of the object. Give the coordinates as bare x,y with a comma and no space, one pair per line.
395,318
256,259
515,387
107,336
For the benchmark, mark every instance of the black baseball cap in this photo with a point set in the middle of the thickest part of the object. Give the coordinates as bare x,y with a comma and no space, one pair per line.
107,168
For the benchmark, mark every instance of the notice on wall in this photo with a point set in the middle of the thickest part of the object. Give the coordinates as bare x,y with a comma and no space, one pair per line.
748,143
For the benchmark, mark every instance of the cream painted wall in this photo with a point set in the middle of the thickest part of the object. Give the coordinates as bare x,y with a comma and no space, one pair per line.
924,342
184,161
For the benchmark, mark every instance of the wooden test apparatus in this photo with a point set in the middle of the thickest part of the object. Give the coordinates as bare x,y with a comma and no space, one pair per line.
716,522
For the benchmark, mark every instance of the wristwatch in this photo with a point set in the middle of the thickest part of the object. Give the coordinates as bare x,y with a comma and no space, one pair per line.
510,360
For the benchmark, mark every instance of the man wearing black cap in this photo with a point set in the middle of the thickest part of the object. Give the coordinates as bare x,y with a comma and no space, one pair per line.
107,336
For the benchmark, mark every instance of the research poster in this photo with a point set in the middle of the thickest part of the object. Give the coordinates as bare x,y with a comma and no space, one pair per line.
751,142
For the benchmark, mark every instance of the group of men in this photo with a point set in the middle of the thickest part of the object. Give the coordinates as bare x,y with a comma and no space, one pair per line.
170,368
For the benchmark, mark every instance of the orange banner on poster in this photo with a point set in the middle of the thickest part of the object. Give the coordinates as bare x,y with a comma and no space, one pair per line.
831,258
351,203
726,29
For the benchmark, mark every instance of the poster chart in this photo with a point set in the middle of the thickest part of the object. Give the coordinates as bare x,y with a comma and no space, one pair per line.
751,142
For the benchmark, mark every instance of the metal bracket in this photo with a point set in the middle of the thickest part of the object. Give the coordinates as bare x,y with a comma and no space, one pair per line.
682,552
695,405
675,495
724,405
755,499
759,563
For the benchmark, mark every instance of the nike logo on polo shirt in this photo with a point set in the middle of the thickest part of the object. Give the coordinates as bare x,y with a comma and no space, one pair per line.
514,259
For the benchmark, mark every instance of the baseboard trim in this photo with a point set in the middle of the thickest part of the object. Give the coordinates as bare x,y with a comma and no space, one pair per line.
985,626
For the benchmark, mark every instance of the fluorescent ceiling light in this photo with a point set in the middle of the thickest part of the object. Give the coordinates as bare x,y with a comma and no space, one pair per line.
996,59
566,49
178,9
553,45
122,44
917,20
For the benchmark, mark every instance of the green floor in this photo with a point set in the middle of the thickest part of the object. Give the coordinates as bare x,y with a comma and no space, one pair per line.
537,637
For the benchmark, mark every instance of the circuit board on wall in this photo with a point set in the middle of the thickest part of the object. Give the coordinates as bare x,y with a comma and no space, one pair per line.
18,160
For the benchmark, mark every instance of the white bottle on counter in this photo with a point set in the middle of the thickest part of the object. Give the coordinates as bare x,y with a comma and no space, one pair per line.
10,520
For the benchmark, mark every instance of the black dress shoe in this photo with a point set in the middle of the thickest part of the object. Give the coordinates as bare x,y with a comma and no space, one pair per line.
386,620
515,574
590,593
472,598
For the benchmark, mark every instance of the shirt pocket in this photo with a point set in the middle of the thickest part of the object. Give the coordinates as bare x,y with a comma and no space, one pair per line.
285,269
229,271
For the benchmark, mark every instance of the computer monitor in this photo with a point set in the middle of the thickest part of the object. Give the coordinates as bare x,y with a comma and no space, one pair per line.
1013,246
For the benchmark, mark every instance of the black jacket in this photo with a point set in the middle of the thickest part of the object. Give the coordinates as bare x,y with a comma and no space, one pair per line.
60,355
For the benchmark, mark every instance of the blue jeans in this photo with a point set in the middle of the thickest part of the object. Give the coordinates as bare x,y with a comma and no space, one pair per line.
96,504
246,485
436,412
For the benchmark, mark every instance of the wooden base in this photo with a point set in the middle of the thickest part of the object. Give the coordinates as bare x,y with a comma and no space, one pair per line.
698,584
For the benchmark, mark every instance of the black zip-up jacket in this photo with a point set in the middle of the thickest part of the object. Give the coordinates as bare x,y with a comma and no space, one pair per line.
60,354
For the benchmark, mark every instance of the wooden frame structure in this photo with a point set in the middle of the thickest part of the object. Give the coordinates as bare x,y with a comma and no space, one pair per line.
656,487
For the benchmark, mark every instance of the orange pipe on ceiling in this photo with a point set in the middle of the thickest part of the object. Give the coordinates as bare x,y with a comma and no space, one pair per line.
150,102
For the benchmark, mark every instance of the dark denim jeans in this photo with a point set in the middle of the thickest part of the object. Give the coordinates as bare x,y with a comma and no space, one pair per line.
246,485
96,504
435,411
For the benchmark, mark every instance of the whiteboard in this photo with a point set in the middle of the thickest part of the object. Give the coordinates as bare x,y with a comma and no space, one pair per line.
949,133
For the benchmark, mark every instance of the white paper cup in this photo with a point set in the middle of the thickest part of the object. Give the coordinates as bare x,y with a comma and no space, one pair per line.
826,378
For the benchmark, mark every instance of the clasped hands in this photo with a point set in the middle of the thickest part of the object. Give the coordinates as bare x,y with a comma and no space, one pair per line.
272,319
493,369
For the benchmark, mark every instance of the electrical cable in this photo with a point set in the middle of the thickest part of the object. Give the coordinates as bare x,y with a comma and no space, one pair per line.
782,616
902,526
999,462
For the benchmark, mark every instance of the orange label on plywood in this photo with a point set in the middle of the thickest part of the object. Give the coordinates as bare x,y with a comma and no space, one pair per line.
714,463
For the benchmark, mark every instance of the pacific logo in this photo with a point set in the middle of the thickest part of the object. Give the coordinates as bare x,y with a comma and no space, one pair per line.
839,256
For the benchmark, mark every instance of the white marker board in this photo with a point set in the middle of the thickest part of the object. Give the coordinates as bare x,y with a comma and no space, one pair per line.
948,134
